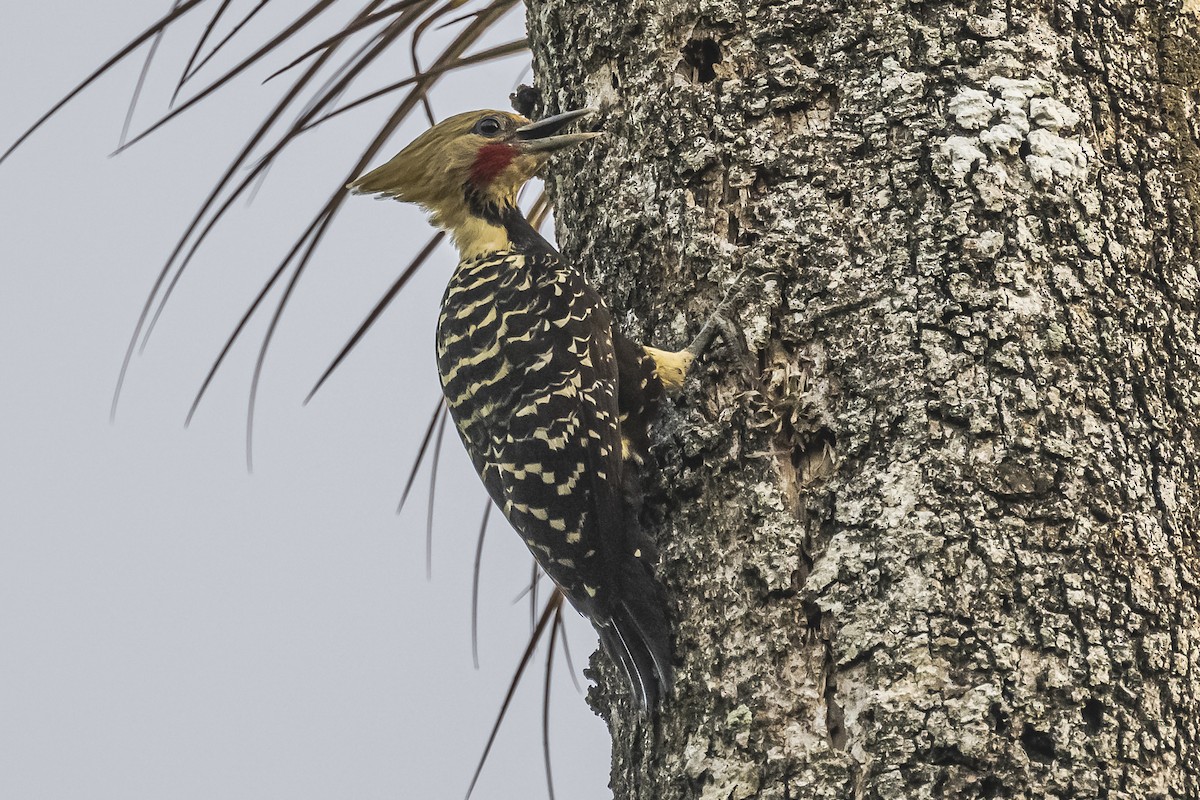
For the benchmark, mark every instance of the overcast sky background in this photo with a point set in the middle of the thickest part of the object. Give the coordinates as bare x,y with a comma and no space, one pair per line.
171,627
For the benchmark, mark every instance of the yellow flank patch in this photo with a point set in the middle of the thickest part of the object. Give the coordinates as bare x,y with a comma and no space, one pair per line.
671,368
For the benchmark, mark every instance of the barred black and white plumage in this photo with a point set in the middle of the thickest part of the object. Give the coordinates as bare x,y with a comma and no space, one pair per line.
529,369
551,403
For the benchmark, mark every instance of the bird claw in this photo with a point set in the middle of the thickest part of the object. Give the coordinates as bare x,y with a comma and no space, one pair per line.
731,335
719,322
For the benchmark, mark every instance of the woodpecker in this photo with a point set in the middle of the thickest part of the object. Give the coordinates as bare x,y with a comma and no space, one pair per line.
551,402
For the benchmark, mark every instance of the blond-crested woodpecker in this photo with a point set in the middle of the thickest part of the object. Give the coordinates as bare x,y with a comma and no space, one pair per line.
551,402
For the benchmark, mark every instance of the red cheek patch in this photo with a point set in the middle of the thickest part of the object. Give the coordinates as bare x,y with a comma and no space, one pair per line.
490,161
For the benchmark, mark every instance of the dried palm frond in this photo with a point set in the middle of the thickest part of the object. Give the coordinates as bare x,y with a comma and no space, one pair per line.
330,70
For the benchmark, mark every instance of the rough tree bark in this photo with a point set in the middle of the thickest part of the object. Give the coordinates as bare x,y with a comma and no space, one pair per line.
944,543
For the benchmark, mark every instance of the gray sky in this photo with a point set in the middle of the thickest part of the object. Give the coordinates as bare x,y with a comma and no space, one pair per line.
172,627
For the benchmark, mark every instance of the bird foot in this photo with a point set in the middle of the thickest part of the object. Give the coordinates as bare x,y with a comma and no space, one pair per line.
719,322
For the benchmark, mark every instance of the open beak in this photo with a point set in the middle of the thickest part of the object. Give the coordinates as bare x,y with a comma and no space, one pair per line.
539,137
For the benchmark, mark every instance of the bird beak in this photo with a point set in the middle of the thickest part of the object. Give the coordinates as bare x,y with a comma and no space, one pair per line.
539,137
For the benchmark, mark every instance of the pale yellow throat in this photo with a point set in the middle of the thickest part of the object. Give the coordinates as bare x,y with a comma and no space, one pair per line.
477,237
472,235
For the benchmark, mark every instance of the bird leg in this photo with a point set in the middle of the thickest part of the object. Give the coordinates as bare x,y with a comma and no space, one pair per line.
672,367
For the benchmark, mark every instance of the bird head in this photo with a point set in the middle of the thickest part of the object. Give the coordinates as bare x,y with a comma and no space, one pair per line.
467,170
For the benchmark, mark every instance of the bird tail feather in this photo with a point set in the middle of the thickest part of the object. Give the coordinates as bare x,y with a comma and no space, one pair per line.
637,637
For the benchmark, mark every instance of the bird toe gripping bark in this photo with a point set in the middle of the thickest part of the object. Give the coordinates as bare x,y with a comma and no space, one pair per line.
673,367
719,322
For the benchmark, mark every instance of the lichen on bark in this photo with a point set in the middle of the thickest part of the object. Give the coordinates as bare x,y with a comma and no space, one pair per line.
942,542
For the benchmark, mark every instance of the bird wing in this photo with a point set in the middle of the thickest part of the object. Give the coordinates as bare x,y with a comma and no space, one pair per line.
528,367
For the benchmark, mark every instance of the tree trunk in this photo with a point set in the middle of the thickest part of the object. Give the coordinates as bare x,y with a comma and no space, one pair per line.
942,542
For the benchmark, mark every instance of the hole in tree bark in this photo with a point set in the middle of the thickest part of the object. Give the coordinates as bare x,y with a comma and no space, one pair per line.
941,755
812,615
700,55
990,786
813,459
526,101
1093,716
835,717
999,718
1038,744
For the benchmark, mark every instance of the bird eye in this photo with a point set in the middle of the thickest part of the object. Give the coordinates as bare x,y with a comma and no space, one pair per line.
488,126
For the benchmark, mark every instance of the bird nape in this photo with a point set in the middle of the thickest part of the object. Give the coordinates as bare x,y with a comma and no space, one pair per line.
552,403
